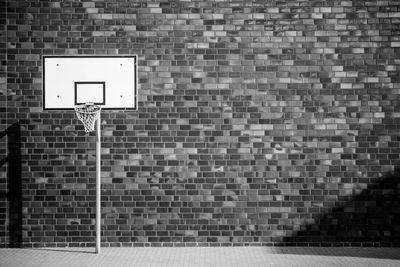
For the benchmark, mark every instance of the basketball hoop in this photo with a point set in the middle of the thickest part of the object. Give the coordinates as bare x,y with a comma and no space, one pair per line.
88,114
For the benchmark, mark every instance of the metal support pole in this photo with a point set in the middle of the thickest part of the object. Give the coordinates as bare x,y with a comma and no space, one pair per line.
98,185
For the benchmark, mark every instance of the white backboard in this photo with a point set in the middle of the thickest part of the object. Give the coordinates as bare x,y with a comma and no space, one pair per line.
110,81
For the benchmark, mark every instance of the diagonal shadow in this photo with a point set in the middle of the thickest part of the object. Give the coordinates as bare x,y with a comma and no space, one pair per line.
13,195
371,218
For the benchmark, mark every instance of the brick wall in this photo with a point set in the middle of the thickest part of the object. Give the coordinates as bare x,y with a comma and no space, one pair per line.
3,124
259,123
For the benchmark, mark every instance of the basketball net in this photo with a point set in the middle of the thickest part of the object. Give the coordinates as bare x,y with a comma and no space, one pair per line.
88,114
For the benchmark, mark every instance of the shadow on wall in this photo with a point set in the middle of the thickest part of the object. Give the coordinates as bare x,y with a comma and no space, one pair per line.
13,193
370,218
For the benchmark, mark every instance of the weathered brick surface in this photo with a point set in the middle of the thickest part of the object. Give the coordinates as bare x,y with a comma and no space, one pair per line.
259,123
3,124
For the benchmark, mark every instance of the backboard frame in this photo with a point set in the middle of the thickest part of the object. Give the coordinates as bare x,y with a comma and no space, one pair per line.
134,101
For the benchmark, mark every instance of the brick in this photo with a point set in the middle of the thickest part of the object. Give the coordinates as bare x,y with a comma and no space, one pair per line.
256,123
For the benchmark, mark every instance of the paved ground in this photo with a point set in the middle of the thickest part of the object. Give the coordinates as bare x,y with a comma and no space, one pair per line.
202,256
